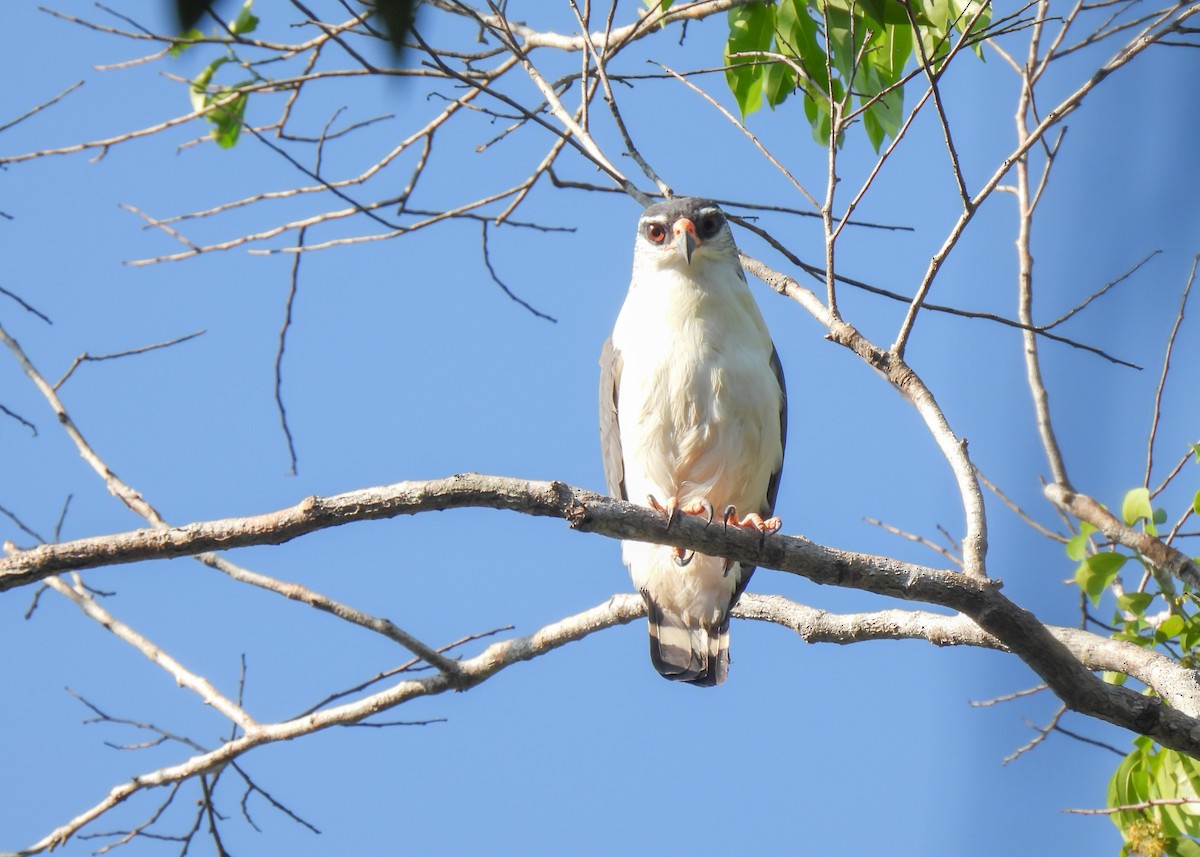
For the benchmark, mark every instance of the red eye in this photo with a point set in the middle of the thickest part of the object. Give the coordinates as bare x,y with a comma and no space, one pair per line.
656,232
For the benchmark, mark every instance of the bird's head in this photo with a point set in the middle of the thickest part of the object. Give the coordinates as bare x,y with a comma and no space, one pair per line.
685,231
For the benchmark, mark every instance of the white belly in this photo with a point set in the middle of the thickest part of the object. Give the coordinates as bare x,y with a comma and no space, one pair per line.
699,419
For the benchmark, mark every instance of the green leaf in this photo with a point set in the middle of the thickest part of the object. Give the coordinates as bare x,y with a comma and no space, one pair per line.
198,91
1097,572
1183,848
779,81
751,29
1106,564
1136,506
886,115
1077,547
227,120
1135,602
1196,503
1177,778
1171,626
1127,785
186,40
1114,677
870,44
246,21
1190,636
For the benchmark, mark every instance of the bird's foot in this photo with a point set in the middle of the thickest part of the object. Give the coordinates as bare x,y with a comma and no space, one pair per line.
751,521
672,508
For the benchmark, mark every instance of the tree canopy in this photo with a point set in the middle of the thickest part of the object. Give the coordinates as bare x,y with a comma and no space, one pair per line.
283,291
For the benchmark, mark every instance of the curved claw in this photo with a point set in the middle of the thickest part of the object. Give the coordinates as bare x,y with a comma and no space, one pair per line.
698,507
671,509
683,558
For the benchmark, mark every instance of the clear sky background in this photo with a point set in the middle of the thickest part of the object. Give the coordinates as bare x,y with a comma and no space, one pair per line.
405,361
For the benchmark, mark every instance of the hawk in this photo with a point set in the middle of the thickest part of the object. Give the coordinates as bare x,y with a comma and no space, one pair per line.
693,420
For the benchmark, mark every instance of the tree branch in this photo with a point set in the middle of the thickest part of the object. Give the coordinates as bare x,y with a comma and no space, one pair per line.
980,599
1157,553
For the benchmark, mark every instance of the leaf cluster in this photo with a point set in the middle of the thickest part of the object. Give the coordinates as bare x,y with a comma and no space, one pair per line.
1154,794
1161,784
835,52
226,104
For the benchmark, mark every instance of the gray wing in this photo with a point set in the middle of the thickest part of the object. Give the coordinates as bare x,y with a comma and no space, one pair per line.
610,430
777,368
773,485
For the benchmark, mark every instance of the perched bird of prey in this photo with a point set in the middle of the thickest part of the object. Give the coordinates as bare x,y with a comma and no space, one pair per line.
693,419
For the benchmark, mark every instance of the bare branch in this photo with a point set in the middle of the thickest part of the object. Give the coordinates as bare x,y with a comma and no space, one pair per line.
1162,381
183,677
34,111
96,358
1156,552
1042,733
921,540
24,305
892,367
487,261
1170,22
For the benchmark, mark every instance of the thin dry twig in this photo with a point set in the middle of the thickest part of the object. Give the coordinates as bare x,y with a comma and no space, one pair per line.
25,305
1018,511
39,108
1166,367
1042,733
921,540
1009,697
487,261
96,358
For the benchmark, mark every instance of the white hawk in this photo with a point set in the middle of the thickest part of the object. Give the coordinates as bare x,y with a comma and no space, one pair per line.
693,418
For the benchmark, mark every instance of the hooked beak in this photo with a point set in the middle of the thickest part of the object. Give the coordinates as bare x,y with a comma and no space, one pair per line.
686,239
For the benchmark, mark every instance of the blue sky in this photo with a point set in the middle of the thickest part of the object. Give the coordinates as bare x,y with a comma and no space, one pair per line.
405,361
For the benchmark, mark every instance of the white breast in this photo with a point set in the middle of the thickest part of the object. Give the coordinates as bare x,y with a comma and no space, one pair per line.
699,412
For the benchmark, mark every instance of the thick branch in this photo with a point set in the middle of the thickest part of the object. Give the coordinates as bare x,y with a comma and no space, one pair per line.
1181,686
1157,553
980,599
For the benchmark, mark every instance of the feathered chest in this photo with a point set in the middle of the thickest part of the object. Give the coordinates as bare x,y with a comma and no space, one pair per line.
698,399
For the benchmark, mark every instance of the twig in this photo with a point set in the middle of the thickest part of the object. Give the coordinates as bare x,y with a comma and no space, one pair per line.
1134,807
817,272
741,126
1042,732
253,788
1091,741
21,525
11,414
921,540
41,106
1009,697
184,677
1103,290
96,358
289,304
1069,104
1018,511
25,305
1162,381
487,261
408,666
